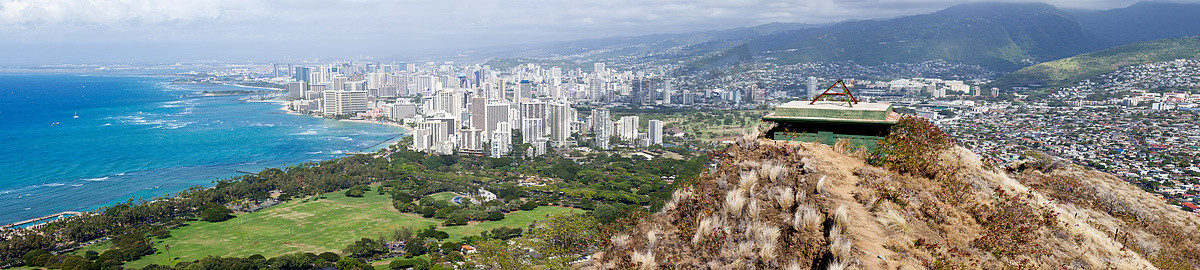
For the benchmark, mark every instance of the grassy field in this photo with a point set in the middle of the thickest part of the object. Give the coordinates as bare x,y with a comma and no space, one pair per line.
309,225
444,196
514,220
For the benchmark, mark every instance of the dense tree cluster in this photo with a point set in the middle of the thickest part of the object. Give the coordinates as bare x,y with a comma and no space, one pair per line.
612,184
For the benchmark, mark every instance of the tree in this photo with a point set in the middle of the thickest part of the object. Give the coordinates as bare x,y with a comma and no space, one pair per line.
353,264
415,248
36,257
529,206
495,216
606,213
403,234
329,256
365,247
502,233
214,212
450,246
414,263
357,193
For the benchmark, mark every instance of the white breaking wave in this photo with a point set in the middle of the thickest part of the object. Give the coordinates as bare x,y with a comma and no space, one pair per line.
99,179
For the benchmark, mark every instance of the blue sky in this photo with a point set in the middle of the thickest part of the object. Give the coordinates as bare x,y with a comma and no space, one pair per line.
55,31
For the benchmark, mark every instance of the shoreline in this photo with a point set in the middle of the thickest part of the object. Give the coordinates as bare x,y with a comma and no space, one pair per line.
283,106
255,87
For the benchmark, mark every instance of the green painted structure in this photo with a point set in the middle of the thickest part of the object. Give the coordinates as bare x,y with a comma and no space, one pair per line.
861,124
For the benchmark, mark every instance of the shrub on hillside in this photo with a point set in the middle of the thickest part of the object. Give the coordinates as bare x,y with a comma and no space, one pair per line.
912,146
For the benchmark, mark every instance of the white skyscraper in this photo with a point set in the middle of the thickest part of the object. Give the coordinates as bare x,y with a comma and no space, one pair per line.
656,132
501,140
666,92
345,102
497,112
296,90
599,70
812,87
560,124
532,129
629,128
602,127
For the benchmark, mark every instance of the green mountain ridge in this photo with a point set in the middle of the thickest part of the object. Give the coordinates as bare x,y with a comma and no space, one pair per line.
1002,36
1063,72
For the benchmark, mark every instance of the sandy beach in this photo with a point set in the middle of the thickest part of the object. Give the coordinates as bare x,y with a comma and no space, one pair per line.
284,106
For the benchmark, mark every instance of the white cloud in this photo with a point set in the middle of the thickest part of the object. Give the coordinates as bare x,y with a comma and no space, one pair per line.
38,12
375,26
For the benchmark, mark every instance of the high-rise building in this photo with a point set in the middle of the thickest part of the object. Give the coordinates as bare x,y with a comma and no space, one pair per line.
302,74
533,109
403,110
501,140
478,113
532,129
560,123
524,91
602,127
629,128
656,132
812,87
599,70
295,90
345,102
426,84
497,112
666,92
339,83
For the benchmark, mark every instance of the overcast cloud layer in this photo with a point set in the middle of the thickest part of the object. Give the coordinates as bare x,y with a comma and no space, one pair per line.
165,30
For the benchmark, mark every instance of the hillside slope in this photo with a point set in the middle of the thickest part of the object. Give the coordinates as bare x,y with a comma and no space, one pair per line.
1142,21
1069,70
793,205
1004,36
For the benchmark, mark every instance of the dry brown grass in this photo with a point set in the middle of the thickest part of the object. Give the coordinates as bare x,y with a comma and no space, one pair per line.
807,218
967,216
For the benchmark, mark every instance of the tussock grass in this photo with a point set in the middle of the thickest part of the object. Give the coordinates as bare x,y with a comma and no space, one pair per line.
747,181
644,260
766,235
793,266
890,218
652,237
839,243
746,249
753,209
840,216
772,171
807,218
836,265
679,195
748,141
821,185
785,196
706,226
621,240
735,200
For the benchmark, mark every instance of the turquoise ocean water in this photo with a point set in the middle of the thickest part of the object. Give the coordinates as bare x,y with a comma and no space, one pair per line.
144,137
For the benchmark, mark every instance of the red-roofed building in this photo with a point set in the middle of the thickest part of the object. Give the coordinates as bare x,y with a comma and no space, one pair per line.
1190,206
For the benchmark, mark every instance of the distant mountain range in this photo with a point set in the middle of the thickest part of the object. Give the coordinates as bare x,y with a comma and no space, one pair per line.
1001,36
1063,72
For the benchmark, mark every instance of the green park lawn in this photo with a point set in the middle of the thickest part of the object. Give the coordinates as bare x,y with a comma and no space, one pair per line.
307,225
444,196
